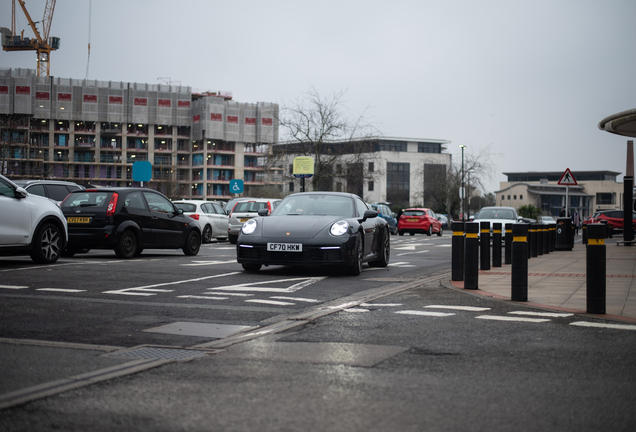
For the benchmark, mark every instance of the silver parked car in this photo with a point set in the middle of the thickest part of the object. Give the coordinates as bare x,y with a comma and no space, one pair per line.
211,216
56,190
246,210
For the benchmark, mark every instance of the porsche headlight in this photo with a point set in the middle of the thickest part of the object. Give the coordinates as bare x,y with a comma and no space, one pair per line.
339,228
248,227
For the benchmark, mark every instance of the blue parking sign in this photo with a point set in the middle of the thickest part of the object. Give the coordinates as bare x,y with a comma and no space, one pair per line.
236,186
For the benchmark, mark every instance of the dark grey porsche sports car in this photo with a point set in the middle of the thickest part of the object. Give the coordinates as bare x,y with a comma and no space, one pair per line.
316,229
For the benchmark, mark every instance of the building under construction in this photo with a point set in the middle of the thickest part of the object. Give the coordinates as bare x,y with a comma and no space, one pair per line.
91,132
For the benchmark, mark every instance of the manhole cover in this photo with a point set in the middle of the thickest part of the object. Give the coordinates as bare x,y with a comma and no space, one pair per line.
160,353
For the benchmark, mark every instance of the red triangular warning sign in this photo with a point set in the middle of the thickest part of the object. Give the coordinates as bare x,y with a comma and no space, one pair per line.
567,179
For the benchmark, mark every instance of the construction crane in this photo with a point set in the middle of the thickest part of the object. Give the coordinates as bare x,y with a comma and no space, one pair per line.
42,44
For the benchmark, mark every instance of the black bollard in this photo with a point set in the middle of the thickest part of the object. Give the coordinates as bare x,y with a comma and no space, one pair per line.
552,238
496,244
546,239
532,238
484,239
539,232
595,267
457,273
584,233
471,255
519,270
508,244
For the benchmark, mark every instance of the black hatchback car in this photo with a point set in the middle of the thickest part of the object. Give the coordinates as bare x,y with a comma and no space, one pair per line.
127,220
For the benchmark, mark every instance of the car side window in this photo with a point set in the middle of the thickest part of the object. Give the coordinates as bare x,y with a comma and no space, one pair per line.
361,206
217,209
57,192
158,203
37,190
6,189
135,201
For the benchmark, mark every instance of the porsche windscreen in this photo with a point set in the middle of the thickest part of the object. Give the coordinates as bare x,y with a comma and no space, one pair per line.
315,204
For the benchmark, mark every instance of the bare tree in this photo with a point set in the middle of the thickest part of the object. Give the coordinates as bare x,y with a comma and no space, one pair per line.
342,148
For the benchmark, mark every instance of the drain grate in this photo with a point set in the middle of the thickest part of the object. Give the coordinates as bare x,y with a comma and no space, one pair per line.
160,353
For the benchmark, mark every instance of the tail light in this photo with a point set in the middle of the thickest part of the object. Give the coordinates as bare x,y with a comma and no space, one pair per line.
195,216
112,205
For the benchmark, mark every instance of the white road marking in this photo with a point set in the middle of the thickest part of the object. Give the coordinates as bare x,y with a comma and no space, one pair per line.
424,313
233,294
272,302
543,314
401,264
251,286
445,245
507,318
463,308
600,325
13,287
306,300
60,290
411,253
354,310
149,290
202,263
380,304
202,297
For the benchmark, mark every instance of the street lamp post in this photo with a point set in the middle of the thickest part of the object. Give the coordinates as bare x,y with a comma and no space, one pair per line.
463,187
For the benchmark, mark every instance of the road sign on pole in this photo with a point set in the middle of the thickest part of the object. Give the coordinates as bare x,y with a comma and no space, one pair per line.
567,179
142,172
236,186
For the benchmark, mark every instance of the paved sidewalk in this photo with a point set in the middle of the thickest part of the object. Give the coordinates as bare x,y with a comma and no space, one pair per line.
558,281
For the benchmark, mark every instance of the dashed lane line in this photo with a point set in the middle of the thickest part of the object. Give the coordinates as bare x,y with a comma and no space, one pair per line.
425,313
66,290
508,318
298,299
271,302
15,287
542,314
462,308
149,290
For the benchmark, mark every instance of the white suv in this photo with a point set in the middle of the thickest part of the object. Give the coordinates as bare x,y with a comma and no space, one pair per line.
30,224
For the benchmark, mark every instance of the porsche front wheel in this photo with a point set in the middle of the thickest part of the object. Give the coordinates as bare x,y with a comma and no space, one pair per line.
356,267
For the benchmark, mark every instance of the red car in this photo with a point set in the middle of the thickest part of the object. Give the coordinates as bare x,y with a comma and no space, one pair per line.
419,220
614,219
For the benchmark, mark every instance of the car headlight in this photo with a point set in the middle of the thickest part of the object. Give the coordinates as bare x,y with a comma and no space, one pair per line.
248,227
339,228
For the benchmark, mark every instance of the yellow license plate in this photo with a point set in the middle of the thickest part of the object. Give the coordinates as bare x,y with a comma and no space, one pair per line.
84,220
243,219
411,220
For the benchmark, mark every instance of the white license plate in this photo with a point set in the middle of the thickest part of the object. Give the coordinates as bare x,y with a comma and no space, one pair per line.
285,247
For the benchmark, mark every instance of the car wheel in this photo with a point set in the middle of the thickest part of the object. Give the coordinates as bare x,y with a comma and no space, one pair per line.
401,233
139,251
232,239
47,244
127,245
412,233
385,252
207,234
251,267
440,232
356,268
430,230
192,244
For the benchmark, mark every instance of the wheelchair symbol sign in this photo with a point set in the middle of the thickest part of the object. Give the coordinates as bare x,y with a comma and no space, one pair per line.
236,186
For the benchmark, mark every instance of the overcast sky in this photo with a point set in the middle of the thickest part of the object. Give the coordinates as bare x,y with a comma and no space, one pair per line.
531,79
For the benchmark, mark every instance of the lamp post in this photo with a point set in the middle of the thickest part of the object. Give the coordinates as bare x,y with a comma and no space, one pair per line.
463,194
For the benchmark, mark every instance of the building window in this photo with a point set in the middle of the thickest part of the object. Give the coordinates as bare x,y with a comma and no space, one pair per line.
398,146
371,167
514,197
520,197
429,148
398,182
371,186
605,198
291,186
508,197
